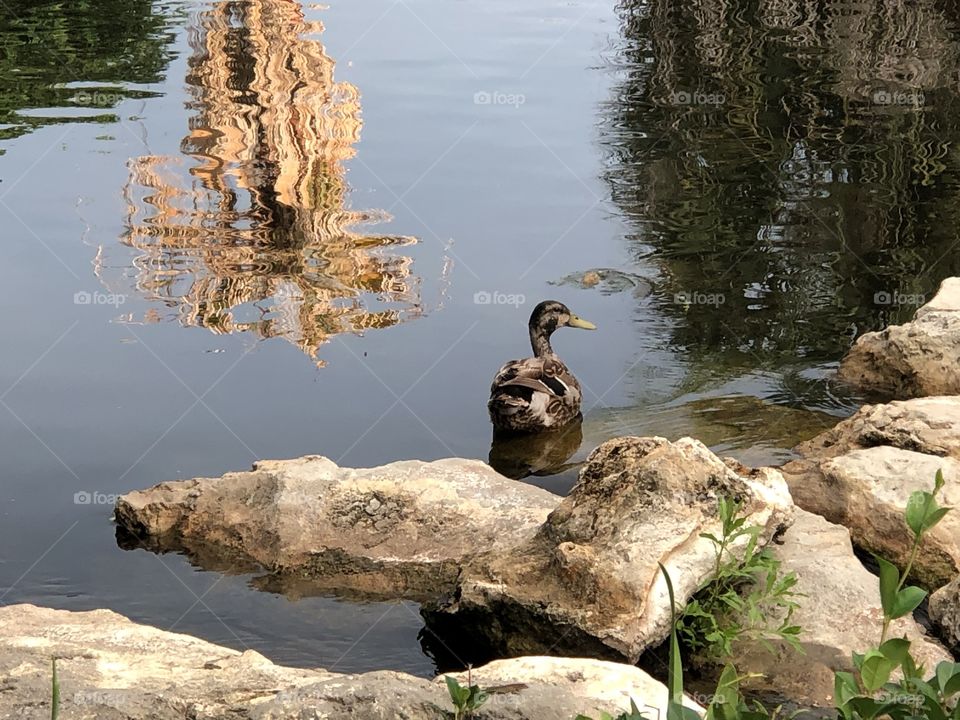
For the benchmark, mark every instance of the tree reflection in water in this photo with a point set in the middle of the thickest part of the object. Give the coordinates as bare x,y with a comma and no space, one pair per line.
793,157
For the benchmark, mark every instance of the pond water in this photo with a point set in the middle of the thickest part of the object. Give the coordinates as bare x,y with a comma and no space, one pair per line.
260,229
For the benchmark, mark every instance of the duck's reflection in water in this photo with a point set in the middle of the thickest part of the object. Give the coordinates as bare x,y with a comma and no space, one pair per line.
521,455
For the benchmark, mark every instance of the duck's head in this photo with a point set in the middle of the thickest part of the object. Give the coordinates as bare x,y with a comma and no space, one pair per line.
547,317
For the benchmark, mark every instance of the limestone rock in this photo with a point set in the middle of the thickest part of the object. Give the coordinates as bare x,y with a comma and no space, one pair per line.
860,474
399,530
588,582
916,359
113,669
928,425
110,667
534,688
840,614
944,611
563,688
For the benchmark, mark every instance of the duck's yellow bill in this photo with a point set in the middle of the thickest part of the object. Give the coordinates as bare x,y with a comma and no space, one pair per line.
581,323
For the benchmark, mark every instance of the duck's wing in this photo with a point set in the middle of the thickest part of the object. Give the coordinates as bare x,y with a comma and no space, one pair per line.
547,375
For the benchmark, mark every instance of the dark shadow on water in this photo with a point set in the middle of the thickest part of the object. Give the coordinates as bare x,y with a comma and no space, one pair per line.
521,455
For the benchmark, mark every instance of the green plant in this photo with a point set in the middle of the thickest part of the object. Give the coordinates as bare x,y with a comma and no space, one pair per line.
55,694
465,699
868,692
675,707
633,714
922,513
726,703
742,595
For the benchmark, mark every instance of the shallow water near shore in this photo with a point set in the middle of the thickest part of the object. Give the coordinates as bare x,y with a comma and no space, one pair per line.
262,229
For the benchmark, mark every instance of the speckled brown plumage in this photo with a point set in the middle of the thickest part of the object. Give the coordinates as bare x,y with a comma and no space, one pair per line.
537,393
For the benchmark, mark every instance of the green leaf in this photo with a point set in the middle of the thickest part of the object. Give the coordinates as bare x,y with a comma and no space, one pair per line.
55,694
475,697
458,694
865,708
876,670
910,669
675,668
907,601
711,537
728,687
889,580
918,506
935,516
948,675
896,649
857,660
844,688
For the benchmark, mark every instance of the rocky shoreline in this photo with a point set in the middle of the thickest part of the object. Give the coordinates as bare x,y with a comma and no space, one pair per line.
110,668
566,591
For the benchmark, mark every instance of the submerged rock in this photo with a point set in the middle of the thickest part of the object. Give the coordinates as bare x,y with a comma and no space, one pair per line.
861,473
839,614
916,359
588,582
113,669
756,432
399,530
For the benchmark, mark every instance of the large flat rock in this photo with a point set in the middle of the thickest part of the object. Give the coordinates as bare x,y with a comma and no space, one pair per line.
589,581
399,530
916,359
113,669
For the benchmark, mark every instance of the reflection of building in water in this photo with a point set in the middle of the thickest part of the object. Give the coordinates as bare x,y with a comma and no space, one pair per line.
252,233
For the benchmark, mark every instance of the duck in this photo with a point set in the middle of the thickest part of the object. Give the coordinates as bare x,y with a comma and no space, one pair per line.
538,393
